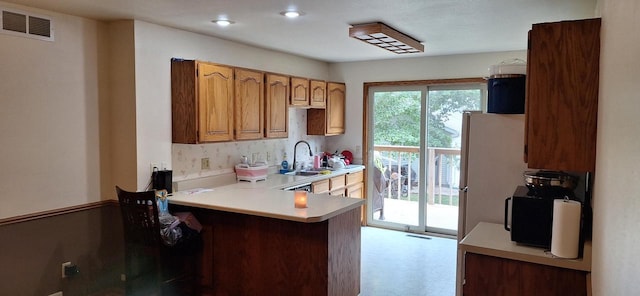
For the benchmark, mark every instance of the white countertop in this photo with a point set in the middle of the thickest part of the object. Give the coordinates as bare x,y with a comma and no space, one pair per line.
493,240
266,199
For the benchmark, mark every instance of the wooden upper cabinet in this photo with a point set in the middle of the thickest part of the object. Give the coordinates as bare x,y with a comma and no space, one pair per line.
277,112
329,121
299,91
249,104
336,94
318,91
201,102
562,95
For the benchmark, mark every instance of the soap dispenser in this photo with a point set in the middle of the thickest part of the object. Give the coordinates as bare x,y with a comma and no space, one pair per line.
285,164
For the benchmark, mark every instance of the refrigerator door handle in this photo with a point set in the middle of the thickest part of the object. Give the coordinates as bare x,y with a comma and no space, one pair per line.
506,213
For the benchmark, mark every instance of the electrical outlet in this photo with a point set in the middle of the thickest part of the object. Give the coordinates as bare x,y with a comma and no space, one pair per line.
268,156
204,163
154,165
358,149
62,268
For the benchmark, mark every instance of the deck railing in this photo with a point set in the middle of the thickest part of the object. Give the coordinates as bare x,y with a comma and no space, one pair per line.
402,165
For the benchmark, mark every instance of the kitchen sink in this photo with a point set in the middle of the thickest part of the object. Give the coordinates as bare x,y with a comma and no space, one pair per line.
303,173
307,173
311,172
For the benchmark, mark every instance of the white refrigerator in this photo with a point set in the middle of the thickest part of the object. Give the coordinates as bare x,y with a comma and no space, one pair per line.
491,167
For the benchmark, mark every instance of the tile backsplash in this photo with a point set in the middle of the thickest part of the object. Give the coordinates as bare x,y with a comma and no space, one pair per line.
186,158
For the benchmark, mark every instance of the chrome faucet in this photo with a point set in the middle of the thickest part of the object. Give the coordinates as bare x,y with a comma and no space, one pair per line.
294,152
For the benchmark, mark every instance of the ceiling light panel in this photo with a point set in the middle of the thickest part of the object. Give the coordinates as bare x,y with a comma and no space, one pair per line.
383,36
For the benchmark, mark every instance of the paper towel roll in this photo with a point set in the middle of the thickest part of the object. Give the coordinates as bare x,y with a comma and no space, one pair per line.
565,234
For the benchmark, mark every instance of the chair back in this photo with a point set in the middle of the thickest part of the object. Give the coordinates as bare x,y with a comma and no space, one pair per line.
139,217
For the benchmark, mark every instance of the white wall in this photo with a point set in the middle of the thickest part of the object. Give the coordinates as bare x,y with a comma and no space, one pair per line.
155,46
616,238
356,73
50,119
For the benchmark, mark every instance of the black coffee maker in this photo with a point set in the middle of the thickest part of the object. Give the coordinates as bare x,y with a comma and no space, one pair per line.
532,206
162,180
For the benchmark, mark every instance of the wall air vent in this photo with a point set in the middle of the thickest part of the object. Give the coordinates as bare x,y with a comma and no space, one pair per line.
19,23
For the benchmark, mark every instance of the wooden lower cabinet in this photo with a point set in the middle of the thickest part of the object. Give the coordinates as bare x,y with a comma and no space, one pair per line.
337,183
339,192
319,187
355,190
488,275
251,255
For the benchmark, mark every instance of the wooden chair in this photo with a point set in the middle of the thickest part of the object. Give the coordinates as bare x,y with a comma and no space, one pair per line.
151,268
380,184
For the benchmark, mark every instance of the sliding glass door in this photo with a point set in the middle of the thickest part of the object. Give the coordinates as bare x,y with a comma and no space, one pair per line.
413,154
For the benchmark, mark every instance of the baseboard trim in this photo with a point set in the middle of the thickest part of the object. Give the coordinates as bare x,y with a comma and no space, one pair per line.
56,212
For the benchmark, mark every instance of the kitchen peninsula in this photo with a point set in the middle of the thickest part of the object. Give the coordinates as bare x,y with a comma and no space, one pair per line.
256,242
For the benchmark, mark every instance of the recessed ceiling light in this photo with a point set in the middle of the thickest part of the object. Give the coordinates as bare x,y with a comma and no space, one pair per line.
222,23
292,13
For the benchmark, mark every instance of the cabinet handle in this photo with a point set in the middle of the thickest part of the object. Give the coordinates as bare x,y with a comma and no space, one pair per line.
506,213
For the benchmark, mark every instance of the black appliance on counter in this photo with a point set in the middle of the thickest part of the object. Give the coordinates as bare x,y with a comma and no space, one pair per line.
162,180
532,215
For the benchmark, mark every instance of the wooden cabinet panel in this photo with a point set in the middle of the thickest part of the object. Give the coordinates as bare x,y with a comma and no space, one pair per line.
487,275
277,113
249,104
562,95
329,121
299,91
318,90
339,192
355,190
184,105
337,183
321,186
353,178
335,108
215,91
201,102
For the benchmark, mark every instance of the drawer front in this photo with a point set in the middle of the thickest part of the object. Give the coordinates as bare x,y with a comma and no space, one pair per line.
337,182
354,178
339,192
320,186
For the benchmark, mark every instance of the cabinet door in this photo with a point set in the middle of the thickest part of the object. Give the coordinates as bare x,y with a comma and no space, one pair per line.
562,95
277,115
318,93
215,102
355,190
339,192
328,121
488,275
335,108
299,91
249,103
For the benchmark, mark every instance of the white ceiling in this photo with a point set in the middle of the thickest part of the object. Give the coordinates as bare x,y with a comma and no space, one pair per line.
443,26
